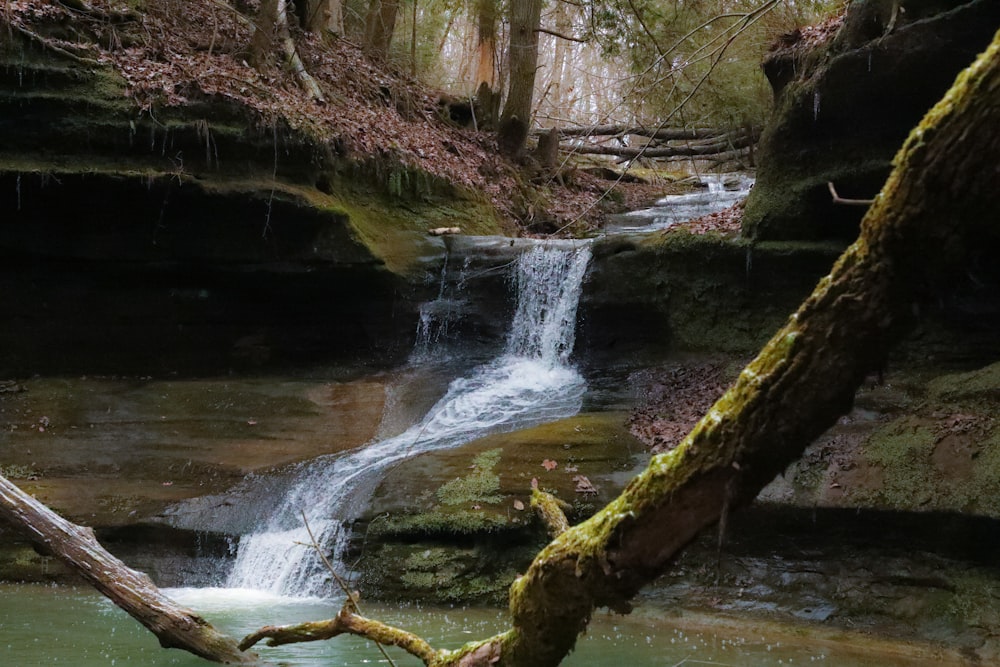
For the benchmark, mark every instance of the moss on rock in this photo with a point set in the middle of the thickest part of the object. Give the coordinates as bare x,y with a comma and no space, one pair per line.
844,106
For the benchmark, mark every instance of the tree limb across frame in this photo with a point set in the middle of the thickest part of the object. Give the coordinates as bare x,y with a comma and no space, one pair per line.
935,205
76,546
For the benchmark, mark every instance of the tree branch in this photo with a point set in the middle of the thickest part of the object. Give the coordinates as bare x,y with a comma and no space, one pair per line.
665,151
55,48
550,509
348,621
661,133
175,626
560,35
837,199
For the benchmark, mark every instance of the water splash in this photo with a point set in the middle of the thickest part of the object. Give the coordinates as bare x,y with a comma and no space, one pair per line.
530,383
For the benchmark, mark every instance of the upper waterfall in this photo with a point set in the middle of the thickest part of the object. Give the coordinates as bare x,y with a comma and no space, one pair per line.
529,383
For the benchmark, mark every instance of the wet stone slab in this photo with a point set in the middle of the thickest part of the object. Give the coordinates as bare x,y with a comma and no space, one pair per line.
107,452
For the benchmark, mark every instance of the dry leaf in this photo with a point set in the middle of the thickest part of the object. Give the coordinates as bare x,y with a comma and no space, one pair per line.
584,486
518,505
549,464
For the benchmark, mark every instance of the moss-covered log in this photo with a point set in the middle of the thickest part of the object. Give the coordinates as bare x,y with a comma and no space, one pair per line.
938,203
76,546
934,207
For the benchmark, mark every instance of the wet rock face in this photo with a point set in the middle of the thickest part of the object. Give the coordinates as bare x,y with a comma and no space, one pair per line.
845,99
190,242
922,441
682,292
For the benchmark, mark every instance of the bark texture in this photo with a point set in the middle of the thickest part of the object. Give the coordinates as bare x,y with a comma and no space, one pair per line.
487,95
175,626
525,17
262,41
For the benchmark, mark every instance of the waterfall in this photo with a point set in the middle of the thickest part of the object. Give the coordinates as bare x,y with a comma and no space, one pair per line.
529,383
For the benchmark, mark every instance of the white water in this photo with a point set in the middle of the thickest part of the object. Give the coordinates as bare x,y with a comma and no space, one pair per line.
530,383
721,191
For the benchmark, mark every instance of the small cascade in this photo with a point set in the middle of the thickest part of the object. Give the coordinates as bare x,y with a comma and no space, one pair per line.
719,191
529,383
437,316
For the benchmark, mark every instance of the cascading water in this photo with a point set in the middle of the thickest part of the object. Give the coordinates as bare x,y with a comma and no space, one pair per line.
720,191
530,383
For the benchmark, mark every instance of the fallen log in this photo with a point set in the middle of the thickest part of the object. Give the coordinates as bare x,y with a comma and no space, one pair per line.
662,133
661,151
133,591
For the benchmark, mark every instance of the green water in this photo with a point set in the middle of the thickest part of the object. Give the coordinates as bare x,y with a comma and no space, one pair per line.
59,625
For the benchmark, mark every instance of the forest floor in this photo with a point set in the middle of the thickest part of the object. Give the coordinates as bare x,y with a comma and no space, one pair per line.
172,52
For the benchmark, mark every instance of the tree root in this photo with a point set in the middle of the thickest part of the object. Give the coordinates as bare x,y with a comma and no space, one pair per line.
55,48
305,79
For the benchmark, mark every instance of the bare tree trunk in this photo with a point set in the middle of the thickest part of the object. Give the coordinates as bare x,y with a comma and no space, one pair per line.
324,15
335,17
557,72
174,625
525,18
305,79
262,41
487,95
314,15
380,24
938,206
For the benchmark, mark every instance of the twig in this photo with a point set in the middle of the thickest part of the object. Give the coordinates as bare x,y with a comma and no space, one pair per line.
837,199
559,35
351,597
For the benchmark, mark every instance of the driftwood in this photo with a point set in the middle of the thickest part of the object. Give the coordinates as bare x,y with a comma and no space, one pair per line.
76,546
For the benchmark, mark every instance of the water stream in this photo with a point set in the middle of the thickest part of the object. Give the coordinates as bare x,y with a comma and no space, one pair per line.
529,383
719,191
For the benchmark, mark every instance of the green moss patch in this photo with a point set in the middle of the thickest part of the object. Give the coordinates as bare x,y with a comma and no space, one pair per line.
976,385
479,486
